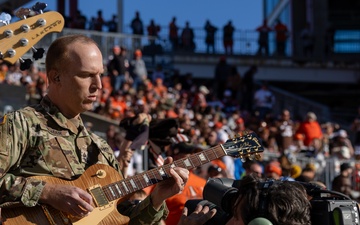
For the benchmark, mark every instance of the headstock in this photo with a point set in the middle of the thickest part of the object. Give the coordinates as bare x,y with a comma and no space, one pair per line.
245,145
19,37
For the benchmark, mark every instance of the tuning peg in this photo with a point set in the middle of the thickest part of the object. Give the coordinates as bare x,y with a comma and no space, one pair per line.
250,157
39,7
25,63
5,19
22,13
38,53
243,159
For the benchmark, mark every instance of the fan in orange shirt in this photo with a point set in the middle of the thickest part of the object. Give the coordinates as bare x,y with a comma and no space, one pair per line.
309,129
193,188
118,106
159,88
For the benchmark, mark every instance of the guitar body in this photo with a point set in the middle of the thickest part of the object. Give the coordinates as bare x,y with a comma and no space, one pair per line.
95,175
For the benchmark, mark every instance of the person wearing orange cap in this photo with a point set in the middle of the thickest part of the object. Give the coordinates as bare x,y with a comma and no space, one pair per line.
273,170
138,70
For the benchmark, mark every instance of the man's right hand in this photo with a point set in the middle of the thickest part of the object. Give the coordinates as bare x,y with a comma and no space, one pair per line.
68,199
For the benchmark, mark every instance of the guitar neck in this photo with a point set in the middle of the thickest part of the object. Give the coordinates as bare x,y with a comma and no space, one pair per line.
145,179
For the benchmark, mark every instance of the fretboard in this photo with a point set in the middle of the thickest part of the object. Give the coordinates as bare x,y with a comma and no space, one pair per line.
129,185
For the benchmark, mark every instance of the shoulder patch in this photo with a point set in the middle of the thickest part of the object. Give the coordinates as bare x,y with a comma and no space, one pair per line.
2,120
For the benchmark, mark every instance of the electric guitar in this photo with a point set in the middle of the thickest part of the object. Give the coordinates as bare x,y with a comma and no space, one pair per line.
19,37
108,188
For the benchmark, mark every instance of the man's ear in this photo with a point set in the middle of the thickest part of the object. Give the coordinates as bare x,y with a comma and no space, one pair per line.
53,76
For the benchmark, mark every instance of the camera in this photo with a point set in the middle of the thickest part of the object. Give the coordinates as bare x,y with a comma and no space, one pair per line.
218,193
327,207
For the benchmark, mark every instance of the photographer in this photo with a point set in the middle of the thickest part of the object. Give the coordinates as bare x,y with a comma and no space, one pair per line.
272,202
282,203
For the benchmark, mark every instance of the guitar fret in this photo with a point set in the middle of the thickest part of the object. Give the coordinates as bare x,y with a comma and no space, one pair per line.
112,192
122,188
163,173
118,189
125,187
203,158
195,160
147,179
133,184
167,169
139,181
117,195
157,176
211,154
188,163
153,179
129,186
180,163
107,192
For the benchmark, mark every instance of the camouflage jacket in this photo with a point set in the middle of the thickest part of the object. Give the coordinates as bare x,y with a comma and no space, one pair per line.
39,140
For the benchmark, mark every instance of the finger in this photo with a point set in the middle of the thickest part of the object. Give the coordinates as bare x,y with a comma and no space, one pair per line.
168,160
198,208
85,201
178,180
209,215
183,173
212,213
205,209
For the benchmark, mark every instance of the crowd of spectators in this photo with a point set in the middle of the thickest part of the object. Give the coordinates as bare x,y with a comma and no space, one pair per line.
182,38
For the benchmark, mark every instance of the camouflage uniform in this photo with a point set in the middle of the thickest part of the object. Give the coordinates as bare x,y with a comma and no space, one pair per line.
39,140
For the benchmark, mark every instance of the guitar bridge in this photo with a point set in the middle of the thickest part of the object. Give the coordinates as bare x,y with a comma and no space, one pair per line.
98,195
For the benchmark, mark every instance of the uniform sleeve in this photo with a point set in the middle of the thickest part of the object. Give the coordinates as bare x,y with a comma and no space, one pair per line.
144,213
14,133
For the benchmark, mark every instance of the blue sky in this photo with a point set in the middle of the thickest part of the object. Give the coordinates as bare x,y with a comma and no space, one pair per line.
245,14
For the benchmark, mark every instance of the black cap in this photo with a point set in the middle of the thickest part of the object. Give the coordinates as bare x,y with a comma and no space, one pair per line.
183,147
345,166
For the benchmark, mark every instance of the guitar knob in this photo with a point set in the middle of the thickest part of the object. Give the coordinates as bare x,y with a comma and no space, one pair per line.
1,55
101,173
38,53
24,42
25,63
25,28
41,22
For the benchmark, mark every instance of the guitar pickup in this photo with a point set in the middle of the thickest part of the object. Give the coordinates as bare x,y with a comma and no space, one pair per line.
98,195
